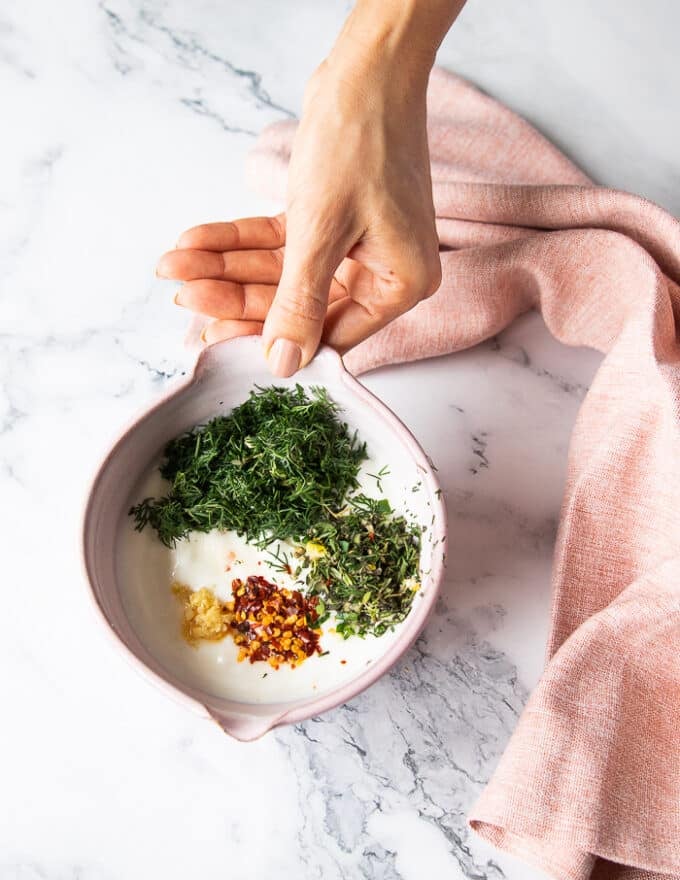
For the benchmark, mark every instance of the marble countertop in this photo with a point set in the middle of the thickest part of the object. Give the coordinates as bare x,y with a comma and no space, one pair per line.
125,121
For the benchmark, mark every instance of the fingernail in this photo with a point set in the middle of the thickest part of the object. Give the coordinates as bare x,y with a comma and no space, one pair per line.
284,358
161,271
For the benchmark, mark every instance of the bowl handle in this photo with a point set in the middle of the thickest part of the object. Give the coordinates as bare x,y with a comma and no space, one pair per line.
219,353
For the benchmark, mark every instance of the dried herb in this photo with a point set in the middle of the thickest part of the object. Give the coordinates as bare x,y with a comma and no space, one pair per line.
363,565
280,462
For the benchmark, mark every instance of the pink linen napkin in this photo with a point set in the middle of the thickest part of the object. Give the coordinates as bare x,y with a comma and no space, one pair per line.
589,786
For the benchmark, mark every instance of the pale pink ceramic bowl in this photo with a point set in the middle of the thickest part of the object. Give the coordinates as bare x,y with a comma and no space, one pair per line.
222,378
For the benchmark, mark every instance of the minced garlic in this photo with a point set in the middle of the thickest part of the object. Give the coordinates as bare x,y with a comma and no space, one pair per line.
205,616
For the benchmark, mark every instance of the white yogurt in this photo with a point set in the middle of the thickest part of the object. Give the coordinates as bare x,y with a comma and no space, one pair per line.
146,571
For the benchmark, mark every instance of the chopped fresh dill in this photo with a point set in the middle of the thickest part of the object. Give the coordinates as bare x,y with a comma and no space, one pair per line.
280,462
382,473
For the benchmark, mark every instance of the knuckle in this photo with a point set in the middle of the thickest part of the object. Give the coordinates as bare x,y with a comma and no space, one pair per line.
242,304
235,234
276,259
422,279
302,303
277,228
412,288
435,278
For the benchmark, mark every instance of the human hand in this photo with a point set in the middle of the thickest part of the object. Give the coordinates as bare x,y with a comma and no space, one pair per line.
357,246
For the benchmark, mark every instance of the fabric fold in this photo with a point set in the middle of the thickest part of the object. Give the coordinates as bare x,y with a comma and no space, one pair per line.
589,785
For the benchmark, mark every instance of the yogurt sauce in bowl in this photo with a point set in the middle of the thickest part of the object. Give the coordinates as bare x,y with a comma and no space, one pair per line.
214,560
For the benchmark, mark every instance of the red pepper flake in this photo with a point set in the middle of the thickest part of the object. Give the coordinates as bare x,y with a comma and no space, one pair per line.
343,662
273,624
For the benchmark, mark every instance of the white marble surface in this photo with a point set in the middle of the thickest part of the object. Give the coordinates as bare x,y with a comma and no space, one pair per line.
123,122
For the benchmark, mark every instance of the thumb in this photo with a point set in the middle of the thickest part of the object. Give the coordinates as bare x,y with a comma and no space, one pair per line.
294,324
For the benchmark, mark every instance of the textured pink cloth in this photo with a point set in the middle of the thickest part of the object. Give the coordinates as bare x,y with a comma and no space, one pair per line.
589,786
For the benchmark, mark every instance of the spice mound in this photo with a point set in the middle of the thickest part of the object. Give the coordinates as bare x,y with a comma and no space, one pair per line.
205,616
267,622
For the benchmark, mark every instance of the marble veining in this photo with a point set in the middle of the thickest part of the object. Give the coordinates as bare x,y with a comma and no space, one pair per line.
424,748
142,42
124,121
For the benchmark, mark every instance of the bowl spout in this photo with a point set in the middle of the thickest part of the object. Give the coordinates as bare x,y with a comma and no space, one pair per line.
244,728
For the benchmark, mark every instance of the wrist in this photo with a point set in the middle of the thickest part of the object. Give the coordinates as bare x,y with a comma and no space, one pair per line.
386,39
401,34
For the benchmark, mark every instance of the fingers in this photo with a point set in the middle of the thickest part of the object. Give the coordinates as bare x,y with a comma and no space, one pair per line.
219,330
254,266
250,232
227,300
241,250
240,274
292,330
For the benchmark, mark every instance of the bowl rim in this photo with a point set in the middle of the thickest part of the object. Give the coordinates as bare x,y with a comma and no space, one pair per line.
303,708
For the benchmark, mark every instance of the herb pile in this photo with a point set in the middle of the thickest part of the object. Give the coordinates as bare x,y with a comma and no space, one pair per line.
363,565
282,466
276,465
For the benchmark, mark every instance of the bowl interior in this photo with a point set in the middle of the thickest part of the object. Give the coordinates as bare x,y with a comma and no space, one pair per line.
223,377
